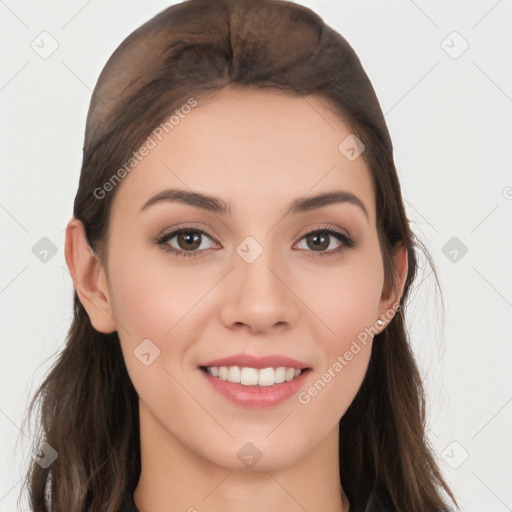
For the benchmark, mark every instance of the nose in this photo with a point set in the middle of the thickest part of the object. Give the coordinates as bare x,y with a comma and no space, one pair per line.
259,297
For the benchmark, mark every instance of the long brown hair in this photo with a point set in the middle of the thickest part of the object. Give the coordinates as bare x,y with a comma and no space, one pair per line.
88,405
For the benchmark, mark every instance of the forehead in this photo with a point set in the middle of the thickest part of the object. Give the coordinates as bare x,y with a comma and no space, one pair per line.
249,147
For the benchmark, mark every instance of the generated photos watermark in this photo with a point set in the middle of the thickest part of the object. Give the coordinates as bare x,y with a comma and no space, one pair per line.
150,143
304,397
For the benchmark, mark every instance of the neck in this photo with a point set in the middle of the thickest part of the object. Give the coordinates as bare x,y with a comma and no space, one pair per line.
176,479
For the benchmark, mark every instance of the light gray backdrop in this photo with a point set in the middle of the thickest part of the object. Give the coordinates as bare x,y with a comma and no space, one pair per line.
443,73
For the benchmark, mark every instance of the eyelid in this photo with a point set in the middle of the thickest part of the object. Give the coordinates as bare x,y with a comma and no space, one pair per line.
176,229
322,227
308,230
346,241
344,238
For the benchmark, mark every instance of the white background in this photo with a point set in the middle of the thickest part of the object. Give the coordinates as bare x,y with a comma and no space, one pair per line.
451,122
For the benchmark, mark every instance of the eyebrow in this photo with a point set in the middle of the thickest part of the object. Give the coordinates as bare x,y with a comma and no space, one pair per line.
217,205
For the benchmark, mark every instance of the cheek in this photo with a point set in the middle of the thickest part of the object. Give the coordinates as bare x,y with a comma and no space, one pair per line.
345,356
162,304
345,298
151,298
348,304
334,388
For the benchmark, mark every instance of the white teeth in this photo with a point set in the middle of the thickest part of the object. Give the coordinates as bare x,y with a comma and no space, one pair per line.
266,377
252,376
234,374
249,377
279,375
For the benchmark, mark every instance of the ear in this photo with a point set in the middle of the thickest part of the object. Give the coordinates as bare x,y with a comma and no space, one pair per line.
89,278
390,300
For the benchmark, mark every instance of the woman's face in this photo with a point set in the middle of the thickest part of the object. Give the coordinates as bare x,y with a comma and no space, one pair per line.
254,281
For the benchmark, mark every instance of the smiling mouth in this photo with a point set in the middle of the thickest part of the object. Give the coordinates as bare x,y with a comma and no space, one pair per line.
254,377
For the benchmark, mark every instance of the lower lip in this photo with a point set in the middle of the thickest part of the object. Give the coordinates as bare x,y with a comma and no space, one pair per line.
252,396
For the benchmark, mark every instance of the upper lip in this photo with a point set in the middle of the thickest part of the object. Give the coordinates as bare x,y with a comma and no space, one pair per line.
258,362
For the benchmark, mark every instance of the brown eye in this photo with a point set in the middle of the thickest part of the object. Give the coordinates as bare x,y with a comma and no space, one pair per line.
319,241
188,242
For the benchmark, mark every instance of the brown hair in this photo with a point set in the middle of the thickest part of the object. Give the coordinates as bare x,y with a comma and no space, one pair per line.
89,407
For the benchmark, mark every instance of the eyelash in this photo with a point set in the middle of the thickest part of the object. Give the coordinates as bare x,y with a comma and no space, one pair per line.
347,243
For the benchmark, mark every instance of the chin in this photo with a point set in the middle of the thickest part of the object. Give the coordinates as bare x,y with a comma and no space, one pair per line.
257,453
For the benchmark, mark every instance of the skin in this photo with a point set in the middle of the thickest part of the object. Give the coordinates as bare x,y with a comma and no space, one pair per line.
289,301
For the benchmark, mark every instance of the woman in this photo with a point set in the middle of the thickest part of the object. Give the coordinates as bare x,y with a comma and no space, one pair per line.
241,259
